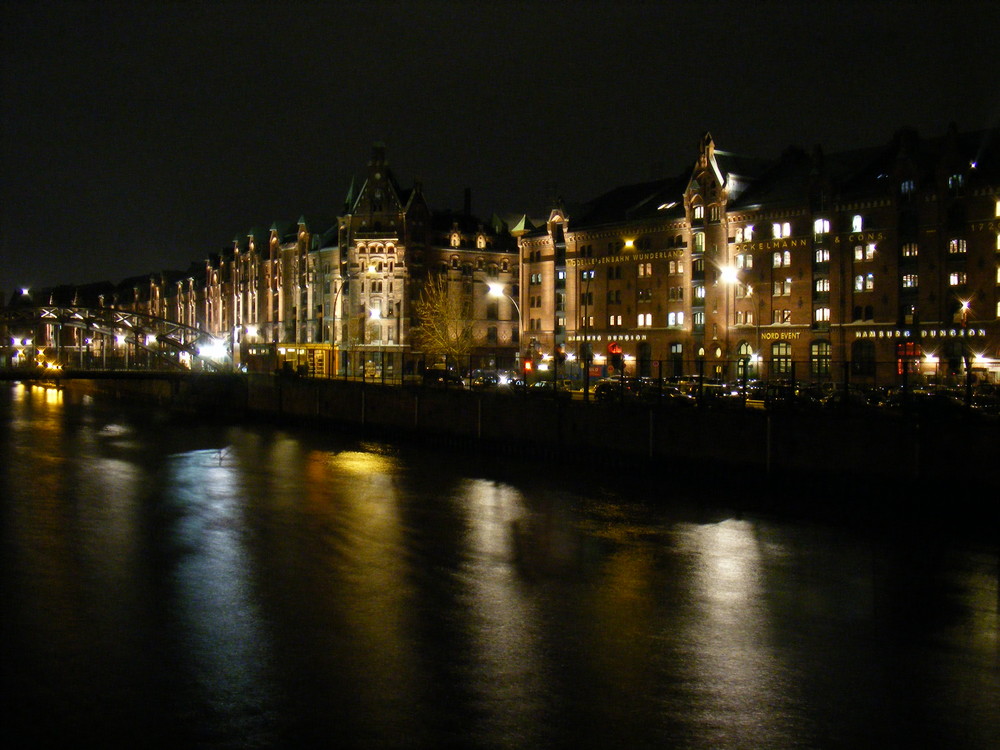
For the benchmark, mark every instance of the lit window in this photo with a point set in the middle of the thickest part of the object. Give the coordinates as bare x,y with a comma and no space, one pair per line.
955,181
822,285
645,319
907,186
699,242
748,230
822,315
714,213
680,266
910,250
739,234
822,255
820,358
781,358
910,281
997,208
781,316
956,278
869,282
455,239
698,318
699,292
856,223
699,212
956,246
821,226
777,260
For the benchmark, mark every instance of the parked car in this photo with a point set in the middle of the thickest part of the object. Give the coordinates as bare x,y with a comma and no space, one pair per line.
441,378
666,394
614,389
546,388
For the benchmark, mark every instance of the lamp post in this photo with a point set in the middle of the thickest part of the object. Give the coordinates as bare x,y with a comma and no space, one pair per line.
729,277
337,321
965,353
497,290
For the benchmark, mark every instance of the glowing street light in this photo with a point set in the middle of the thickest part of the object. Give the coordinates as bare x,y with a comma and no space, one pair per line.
497,290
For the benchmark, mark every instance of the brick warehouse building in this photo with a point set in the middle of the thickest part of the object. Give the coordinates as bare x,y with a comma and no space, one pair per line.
869,265
332,298
873,265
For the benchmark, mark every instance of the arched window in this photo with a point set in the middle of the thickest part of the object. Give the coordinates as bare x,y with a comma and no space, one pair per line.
745,361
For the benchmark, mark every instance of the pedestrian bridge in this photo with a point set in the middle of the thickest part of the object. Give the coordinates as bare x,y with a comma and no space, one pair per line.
76,339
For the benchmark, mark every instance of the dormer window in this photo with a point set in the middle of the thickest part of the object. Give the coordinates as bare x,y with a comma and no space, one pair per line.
481,242
455,239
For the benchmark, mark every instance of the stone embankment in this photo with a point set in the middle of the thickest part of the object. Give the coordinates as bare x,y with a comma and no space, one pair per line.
814,448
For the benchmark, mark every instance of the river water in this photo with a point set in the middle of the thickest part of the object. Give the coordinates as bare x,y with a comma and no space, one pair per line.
169,583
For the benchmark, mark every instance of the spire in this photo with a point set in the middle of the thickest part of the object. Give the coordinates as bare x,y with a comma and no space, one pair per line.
349,200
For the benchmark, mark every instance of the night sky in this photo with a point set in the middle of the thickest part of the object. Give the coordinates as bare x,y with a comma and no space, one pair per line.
140,137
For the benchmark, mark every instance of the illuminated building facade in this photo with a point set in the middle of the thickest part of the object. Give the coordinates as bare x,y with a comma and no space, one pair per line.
340,301
870,265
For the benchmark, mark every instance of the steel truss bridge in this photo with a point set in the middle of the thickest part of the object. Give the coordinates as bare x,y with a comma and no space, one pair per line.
164,341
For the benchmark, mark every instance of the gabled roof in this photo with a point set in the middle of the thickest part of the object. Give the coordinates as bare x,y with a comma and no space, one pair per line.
644,200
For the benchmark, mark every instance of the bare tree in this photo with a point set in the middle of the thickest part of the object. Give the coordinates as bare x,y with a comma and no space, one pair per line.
445,325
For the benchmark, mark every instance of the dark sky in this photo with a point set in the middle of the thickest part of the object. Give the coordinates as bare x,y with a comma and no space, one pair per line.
145,136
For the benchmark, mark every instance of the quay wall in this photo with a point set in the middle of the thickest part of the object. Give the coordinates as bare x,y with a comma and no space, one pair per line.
810,444
818,447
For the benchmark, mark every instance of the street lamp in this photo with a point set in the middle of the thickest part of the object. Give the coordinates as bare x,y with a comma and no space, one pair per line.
338,322
729,277
497,290
965,352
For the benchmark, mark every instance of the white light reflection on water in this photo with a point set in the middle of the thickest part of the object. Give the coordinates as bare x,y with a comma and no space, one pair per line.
213,598
739,685
504,620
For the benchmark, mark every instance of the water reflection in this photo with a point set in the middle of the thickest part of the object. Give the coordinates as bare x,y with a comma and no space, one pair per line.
204,586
